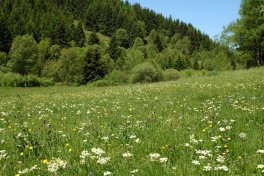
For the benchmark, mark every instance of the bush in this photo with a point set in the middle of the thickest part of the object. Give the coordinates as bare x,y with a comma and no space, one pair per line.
119,77
171,75
145,72
16,80
102,83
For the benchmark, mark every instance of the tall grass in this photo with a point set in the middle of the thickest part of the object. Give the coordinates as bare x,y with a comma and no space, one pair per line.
194,126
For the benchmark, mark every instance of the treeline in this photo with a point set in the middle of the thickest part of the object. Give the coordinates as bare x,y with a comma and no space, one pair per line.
246,34
76,41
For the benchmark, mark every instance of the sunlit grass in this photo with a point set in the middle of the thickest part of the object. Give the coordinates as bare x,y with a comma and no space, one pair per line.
196,126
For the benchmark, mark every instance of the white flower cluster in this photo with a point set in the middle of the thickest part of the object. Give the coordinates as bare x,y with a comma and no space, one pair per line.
98,152
35,167
156,157
55,164
127,154
3,154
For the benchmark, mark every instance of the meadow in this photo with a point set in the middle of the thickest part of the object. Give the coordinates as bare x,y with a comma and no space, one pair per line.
210,125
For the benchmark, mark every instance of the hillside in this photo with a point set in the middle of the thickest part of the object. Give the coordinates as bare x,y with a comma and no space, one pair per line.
211,125
47,38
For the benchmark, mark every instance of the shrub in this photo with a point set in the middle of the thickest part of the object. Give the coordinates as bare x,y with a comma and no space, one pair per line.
171,75
119,77
145,72
16,80
102,83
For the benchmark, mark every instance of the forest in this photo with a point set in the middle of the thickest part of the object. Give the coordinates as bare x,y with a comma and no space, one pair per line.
75,42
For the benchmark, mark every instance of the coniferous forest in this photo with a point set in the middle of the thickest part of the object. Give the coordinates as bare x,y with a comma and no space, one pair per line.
43,42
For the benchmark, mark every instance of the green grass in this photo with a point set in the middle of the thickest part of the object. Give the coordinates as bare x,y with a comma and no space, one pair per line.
194,119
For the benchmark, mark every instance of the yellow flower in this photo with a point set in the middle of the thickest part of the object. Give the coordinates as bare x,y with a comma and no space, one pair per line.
21,154
17,175
67,145
45,161
30,148
70,150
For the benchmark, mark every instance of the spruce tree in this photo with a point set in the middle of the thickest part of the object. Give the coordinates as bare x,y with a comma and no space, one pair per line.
5,35
79,36
113,49
93,39
94,68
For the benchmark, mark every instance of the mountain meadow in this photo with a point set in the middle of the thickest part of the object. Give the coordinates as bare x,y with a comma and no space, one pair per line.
105,87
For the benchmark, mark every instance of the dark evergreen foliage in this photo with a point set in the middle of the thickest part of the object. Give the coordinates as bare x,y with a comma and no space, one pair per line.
93,39
79,36
95,67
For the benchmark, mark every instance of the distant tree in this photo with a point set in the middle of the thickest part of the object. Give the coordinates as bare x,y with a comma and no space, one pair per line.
158,43
43,53
114,50
95,67
180,64
246,34
79,36
71,66
5,34
93,39
24,55
122,38
54,52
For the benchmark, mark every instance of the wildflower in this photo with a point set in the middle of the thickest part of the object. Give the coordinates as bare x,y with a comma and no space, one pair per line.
195,162
3,154
137,140
132,137
154,156
30,148
134,171
45,161
84,154
207,168
222,129
242,135
260,151
28,170
17,175
98,151
103,160
127,154
261,166
55,164
163,160
224,168
107,173
220,159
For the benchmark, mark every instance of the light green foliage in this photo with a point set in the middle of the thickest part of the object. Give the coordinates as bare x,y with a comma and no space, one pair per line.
171,75
3,58
246,33
135,57
118,76
145,72
71,65
24,55
122,38
192,127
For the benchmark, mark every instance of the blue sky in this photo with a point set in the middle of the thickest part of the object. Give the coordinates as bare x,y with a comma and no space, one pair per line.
210,16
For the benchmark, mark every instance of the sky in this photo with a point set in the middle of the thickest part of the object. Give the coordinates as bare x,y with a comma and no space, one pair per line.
210,16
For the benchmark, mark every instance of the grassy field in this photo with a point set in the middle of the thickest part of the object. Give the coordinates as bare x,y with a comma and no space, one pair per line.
195,126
